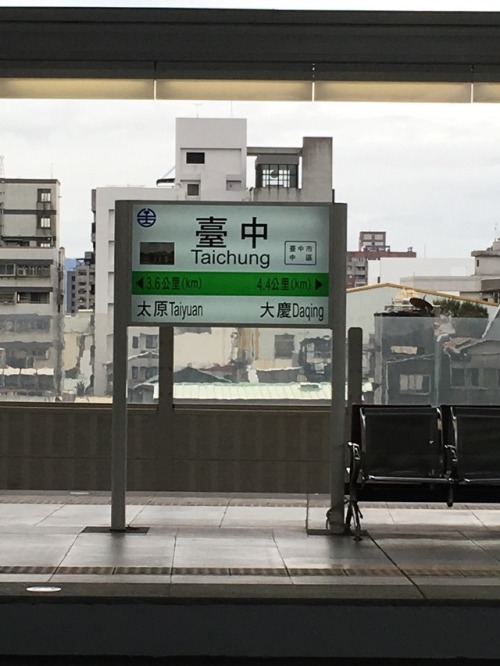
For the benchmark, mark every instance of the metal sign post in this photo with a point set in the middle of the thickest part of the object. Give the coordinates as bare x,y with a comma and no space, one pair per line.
338,247
120,353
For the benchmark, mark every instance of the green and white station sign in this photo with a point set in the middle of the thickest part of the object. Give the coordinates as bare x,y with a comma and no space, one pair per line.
230,263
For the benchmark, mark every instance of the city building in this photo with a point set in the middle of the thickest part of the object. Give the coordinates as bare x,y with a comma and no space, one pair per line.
372,246
31,290
211,165
475,277
487,271
80,285
78,354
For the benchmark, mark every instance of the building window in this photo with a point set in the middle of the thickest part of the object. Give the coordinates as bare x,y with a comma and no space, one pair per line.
472,377
7,297
193,189
414,383
44,196
150,372
284,345
135,372
135,342
151,341
458,377
32,270
44,222
40,353
33,297
195,158
276,175
6,269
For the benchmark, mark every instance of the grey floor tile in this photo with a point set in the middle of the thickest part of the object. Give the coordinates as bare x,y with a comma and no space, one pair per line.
178,516
434,551
201,579
367,590
24,578
142,579
347,581
264,516
220,554
489,518
455,581
220,540
120,550
14,529
330,547
489,545
25,514
58,579
84,515
113,579
438,517
459,590
32,549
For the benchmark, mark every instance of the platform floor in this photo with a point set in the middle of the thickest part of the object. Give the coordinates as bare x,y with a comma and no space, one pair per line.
246,576
274,544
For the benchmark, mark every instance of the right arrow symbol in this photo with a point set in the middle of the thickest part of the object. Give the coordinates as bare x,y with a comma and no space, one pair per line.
318,284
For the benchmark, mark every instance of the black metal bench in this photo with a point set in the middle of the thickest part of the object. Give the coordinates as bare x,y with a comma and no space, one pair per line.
396,445
472,433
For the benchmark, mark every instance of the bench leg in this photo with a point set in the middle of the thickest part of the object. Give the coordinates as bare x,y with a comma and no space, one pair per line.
451,493
354,514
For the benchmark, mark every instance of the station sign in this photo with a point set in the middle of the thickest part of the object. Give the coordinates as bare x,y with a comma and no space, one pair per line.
230,264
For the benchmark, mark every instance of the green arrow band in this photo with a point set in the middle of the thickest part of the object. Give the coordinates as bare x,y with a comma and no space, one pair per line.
230,284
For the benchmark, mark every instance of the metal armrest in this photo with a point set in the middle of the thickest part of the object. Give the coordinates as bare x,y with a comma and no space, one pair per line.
453,452
355,465
453,457
356,451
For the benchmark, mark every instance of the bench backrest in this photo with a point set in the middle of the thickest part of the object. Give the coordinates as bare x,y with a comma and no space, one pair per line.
403,442
476,432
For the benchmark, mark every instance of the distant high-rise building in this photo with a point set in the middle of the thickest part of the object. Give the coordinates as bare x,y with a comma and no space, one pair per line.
372,245
80,285
31,288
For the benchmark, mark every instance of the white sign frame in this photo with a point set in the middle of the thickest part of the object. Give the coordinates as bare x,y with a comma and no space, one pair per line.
231,311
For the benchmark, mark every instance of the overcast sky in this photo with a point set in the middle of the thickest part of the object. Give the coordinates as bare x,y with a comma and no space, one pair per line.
427,174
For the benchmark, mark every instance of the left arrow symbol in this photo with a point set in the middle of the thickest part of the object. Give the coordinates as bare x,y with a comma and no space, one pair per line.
140,282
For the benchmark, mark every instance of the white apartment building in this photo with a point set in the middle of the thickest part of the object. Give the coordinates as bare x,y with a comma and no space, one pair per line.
476,277
409,270
31,288
211,165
